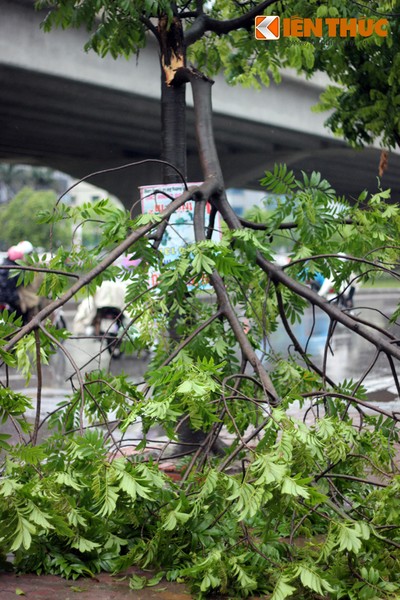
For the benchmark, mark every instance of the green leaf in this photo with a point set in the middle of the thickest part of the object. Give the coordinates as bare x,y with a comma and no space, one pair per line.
184,388
108,501
3,444
137,583
291,486
84,545
68,480
201,263
309,578
173,518
267,469
156,579
280,180
247,499
39,517
350,536
24,532
146,218
282,590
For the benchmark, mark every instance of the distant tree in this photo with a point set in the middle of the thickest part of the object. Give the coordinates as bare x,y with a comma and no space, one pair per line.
40,178
19,220
10,180
13,177
364,96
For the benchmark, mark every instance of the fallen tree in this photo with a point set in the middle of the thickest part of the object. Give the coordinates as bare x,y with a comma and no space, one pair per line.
236,524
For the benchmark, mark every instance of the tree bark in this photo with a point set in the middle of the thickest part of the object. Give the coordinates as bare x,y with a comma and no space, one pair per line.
173,98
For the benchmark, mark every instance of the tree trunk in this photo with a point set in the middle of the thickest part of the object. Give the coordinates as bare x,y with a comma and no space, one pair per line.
173,98
173,150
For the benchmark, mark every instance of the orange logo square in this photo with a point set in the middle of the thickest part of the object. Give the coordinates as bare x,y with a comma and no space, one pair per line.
267,28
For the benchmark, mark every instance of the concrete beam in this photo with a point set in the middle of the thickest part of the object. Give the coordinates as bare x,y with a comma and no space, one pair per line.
24,45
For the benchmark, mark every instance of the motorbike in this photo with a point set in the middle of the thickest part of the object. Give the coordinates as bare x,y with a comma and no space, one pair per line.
343,299
108,324
102,315
58,319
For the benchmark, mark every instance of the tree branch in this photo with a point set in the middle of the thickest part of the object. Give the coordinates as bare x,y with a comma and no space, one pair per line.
204,23
353,399
201,88
205,189
121,168
147,22
277,275
247,349
352,478
297,345
37,270
77,371
39,389
346,257
289,225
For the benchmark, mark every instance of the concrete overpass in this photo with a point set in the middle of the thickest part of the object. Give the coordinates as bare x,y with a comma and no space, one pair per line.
75,112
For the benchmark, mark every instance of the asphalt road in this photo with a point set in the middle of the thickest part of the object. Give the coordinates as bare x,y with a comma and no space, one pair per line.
349,356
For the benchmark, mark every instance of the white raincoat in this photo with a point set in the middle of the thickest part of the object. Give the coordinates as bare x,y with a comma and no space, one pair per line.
110,293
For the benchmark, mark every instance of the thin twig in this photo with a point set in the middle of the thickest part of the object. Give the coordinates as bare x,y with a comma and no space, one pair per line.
357,479
296,342
76,369
334,394
37,270
39,375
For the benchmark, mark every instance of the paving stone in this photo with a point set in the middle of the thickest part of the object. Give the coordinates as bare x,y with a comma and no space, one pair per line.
102,587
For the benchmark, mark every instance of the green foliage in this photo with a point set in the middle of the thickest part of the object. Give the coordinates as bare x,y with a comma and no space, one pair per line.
323,221
96,221
366,96
13,406
20,220
78,512
113,33
296,513
365,70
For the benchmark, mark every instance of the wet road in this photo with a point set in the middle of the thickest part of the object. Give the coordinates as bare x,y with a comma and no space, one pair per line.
348,356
